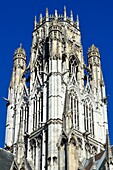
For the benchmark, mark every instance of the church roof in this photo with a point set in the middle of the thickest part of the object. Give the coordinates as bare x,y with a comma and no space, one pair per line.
6,159
99,161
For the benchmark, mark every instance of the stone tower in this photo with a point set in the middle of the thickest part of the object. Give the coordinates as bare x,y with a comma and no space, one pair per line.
14,93
59,99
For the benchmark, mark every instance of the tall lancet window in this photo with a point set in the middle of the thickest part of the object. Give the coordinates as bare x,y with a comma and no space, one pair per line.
64,63
26,118
35,72
73,65
74,110
88,117
35,113
63,154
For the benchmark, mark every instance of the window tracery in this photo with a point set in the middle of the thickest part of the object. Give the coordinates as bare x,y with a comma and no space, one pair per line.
64,63
73,65
74,110
88,117
37,110
34,113
63,154
26,118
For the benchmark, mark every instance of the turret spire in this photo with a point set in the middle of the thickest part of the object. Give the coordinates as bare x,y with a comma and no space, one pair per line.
20,143
20,161
35,22
77,21
108,149
47,14
40,18
64,13
56,15
94,163
71,16
20,45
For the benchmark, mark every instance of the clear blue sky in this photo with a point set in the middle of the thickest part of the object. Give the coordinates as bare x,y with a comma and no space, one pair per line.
16,26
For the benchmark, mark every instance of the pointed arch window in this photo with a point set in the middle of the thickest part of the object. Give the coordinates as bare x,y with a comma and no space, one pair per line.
35,113
64,63
63,154
73,65
35,72
21,113
26,121
37,110
88,117
74,110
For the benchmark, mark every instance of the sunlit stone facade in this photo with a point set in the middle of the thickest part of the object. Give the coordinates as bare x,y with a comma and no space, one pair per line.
57,109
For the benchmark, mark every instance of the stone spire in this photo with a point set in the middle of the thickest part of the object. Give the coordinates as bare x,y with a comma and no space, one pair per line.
19,66
77,21
47,14
40,18
20,150
64,13
108,149
71,16
20,161
35,22
94,163
56,14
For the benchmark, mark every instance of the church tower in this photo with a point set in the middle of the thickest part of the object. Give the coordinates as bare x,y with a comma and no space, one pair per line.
63,111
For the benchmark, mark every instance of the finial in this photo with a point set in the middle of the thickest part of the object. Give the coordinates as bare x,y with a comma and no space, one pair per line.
93,48
20,45
108,148
47,14
56,15
20,133
94,163
40,18
20,143
71,16
64,13
77,22
35,22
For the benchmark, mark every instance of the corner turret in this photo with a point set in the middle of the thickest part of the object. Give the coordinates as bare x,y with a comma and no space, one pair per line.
93,55
19,66
16,85
20,57
20,158
94,66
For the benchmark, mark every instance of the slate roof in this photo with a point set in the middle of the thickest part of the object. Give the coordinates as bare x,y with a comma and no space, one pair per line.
6,159
100,161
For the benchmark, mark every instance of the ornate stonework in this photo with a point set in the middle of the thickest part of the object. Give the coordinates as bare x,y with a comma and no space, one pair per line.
57,101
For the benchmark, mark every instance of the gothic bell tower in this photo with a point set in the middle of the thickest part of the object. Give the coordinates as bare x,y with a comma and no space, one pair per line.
61,117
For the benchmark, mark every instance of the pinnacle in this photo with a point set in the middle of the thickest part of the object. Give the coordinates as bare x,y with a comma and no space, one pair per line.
93,48
20,45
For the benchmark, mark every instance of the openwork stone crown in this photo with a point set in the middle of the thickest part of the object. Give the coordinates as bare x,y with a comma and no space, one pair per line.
93,49
20,50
